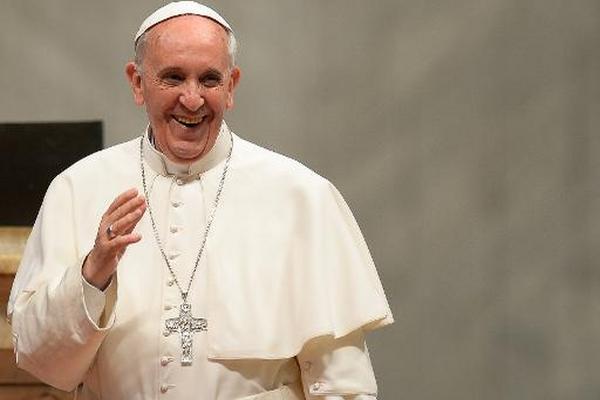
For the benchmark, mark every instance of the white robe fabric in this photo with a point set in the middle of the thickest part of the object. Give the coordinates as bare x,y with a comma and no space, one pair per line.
286,282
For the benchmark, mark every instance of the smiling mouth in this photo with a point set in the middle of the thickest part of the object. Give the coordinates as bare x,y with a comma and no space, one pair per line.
188,122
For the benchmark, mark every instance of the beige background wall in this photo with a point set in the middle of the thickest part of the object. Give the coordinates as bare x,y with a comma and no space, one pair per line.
464,135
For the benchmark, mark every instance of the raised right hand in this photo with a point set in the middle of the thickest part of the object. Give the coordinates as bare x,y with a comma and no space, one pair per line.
121,216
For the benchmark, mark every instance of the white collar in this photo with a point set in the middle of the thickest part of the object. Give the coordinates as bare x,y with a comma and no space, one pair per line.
162,165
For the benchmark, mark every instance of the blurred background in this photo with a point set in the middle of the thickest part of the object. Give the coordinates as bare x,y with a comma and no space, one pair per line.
460,132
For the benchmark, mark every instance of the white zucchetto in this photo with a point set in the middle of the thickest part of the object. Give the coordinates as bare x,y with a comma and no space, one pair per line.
180,8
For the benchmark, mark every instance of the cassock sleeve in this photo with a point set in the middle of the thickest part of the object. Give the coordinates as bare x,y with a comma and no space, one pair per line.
95,300
337,369
54,335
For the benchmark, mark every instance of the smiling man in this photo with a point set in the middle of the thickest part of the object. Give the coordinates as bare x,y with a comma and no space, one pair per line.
186,79
189,263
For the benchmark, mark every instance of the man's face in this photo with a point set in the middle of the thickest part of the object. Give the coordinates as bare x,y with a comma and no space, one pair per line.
186,84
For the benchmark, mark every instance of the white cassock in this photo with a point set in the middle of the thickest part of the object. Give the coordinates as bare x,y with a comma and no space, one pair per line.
286,283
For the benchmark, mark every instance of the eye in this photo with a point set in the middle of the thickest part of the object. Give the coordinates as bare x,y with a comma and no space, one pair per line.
172,78
211,81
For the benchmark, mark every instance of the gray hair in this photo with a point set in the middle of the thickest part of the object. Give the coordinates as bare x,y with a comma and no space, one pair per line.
140,49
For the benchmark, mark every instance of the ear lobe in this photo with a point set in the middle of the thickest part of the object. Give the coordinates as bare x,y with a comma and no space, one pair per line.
135,82
233,82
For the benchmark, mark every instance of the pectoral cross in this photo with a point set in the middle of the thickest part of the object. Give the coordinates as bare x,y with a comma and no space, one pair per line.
186,325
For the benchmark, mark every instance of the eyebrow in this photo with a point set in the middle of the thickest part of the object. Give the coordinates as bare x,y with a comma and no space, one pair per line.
171,69
168,69
213,71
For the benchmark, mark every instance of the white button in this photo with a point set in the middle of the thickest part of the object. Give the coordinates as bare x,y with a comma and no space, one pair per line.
170,282
316,386
175,204
164,388
179,181
166,333
174,229
164,361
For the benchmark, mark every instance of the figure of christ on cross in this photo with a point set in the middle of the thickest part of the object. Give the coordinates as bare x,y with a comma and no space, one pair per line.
186,325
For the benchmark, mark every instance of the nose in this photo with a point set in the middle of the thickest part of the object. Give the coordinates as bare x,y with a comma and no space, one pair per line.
192,97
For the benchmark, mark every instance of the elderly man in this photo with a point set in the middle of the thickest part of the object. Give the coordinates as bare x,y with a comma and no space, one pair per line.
190,263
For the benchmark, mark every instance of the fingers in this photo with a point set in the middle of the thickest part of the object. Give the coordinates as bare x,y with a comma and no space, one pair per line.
122,216
126,223
111,251
117,224
123,213
121,199
126,208
119,243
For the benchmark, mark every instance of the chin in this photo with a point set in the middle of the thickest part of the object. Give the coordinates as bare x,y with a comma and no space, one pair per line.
190,144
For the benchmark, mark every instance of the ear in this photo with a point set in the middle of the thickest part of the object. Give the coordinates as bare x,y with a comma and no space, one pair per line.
233,82
135,81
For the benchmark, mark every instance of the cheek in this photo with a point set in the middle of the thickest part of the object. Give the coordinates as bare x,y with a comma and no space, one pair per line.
159,101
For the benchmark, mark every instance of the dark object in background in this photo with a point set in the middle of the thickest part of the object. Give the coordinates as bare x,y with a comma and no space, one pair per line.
31,155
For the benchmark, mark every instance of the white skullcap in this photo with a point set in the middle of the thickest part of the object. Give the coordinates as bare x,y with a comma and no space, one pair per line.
180,8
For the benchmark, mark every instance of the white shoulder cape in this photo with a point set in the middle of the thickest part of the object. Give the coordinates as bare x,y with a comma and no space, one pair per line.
292,263
286,259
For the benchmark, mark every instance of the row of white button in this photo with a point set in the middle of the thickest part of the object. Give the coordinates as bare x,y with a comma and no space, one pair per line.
164,361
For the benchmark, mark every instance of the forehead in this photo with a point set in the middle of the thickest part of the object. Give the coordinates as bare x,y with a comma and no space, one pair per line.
187,35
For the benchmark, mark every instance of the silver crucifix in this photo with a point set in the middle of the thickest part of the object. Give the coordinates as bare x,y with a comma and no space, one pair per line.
186,325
